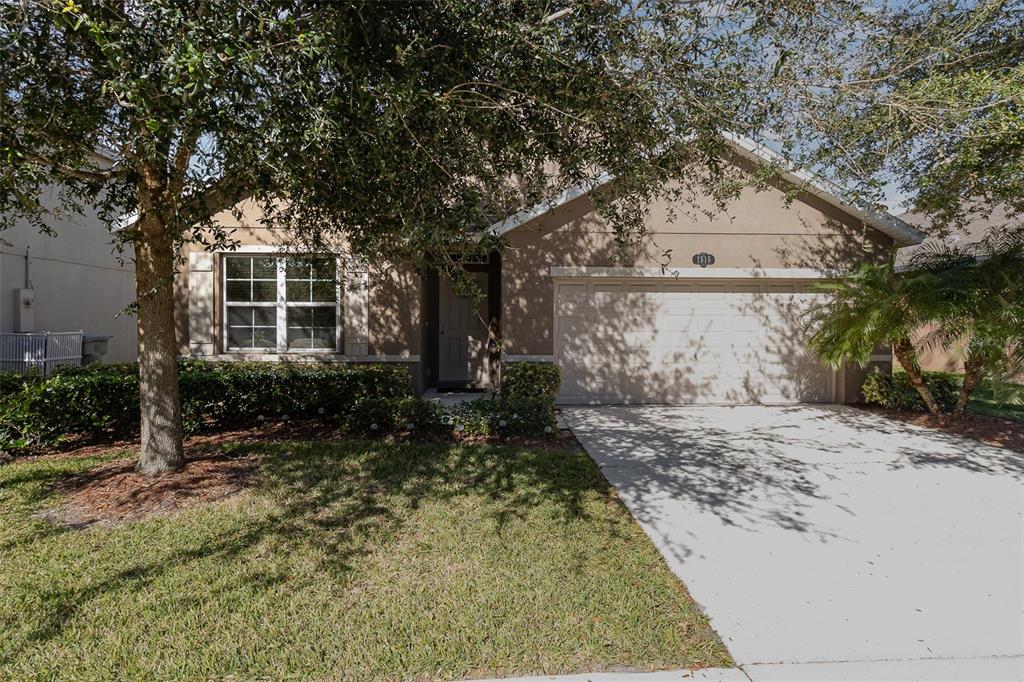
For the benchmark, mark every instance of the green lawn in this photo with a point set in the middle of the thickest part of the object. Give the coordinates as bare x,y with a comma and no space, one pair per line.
984,404
361,560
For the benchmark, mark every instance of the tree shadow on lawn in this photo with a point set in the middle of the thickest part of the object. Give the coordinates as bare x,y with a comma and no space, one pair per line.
346,499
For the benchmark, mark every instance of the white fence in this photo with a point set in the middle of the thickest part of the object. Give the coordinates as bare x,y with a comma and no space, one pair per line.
42,352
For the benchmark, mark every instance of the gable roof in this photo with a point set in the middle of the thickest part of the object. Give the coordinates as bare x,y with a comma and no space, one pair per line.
901,232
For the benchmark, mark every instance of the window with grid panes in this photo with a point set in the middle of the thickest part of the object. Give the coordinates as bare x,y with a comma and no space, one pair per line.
281,303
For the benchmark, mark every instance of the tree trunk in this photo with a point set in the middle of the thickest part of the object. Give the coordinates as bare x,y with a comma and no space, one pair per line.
158,350
907,357
972,377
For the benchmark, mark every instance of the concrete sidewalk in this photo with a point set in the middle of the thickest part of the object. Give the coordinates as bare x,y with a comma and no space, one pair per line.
1009,669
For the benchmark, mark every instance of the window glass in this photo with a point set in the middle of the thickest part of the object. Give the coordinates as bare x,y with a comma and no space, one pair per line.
251,327
311,327
311,280
307,305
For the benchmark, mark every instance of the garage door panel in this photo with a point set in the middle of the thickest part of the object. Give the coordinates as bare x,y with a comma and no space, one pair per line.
682,342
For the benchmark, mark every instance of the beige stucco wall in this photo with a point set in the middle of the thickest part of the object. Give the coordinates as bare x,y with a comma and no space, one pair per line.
394,294
935,358
78,281
758,230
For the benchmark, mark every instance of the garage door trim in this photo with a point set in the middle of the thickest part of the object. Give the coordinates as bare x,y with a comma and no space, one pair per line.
695,273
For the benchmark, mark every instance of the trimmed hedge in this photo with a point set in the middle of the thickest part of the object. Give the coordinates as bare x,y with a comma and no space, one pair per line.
100,399
504,417
531,380
483,417
895,392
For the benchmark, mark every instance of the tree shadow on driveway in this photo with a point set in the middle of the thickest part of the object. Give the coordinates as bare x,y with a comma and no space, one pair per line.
757,466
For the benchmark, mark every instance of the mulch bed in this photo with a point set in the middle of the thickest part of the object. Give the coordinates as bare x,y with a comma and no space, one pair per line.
113,494
1003,433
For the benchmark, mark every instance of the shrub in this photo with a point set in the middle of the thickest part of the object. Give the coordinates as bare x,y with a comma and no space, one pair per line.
12,382
504,417
99,399
372,415
895,392
228,394
423,416
379,416
87,400
531,380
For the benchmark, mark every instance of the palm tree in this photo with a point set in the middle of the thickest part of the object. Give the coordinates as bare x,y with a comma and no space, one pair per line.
976,301
872,306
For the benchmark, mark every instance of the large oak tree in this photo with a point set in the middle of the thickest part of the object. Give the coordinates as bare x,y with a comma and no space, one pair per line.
401,128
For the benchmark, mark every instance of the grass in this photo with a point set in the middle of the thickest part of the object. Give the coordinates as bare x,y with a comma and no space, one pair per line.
352,560
984,403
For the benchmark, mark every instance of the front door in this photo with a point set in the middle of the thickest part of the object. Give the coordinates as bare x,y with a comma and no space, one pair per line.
462,342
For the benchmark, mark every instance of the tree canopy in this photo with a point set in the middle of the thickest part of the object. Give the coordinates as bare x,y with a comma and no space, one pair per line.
401,129
402,126
927,96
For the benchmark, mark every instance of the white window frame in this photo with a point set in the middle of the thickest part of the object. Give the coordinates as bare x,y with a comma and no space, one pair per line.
281,305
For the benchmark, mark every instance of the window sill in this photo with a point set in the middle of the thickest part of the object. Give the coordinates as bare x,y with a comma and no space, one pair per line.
305,357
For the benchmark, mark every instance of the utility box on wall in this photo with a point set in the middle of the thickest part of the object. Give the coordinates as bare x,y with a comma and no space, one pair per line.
94,348
24,310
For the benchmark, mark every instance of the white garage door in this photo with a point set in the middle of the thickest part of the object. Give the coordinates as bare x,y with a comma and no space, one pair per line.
636,341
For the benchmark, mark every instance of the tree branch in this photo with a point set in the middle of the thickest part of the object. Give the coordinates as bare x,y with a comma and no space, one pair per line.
77,173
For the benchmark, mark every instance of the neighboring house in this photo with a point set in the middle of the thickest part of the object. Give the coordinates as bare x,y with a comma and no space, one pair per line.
68,282
727,331
936,358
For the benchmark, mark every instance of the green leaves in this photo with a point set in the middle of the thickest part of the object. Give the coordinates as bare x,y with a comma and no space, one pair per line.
925,97
868,308
104,399
966,301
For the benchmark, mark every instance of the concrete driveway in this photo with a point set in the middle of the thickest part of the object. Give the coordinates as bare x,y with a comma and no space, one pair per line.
826,542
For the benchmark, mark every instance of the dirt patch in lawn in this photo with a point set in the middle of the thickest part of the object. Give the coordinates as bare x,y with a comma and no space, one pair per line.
1003,433
113,494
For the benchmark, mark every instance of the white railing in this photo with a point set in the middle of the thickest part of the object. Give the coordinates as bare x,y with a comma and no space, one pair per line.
43,352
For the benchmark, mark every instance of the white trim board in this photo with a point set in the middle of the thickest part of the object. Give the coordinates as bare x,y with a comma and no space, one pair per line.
529,358
695,273
311,358
526,215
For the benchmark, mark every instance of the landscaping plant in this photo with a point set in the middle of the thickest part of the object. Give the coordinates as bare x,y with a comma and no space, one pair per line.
531,380
975,300
873,307
893,390
104,399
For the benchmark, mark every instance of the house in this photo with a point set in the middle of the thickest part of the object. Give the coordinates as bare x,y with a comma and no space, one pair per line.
722,321
69,281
